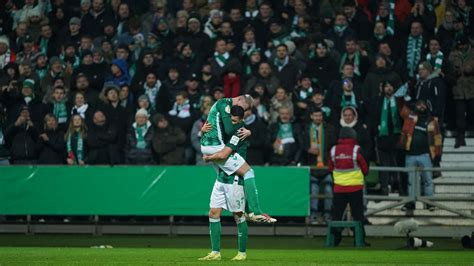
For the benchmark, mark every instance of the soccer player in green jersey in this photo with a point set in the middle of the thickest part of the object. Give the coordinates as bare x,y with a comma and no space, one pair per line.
221,135
228,193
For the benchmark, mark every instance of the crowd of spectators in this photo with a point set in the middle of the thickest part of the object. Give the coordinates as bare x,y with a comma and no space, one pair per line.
121,82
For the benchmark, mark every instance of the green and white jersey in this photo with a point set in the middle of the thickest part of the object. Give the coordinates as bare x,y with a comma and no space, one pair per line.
222,127
241,149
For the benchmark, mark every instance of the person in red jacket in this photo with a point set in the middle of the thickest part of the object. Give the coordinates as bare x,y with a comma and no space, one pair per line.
348,168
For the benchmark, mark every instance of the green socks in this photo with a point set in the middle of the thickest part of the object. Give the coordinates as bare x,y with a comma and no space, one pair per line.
243,231
251,193
215,231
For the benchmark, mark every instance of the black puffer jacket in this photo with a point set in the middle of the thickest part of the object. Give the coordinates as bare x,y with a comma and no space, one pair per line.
134,155
52,151
22,142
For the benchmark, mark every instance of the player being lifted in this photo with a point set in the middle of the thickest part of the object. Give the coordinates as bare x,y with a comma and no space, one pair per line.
221,131
228,193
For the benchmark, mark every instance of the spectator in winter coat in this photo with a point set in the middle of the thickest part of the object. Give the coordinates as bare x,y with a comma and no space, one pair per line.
223,62
284,139
462,59
281,99
422,142
322,69
115,113
198,40
173,84
318,139
102,141
412,50
256,151
340,32
20,95
156,93
354,55
76,145
138,148
385,125
357,19
285,69
51,142
168,142
22,139
302,96
431,89
58,107
349,118
119,73
82,86
378,74
264,76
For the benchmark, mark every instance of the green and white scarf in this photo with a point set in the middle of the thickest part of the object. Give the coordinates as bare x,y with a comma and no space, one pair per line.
352,102
339,29
140,133
60,112
221,58
305,93
356,59
383,127
438,60
285,133
280,64
79,154
317,136
327,111
413,54
391,18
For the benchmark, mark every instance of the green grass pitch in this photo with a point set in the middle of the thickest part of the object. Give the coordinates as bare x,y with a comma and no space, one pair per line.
184,250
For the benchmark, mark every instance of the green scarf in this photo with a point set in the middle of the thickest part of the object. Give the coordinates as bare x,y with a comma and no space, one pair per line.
317,137
280,63
413,54
140,134
79,154
285,132
438,60
60,112
43,46
356,62
383,127
339,29
221,58
391,18
352,102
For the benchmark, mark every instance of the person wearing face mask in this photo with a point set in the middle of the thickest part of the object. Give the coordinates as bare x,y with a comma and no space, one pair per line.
421,140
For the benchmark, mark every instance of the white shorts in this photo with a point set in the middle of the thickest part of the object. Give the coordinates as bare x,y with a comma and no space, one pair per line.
229,166
230,197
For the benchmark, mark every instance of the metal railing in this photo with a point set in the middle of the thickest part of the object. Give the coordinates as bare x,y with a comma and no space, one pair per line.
415,195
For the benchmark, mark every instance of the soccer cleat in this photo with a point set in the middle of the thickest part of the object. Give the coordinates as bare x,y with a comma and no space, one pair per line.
212,256
240,256
260,218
